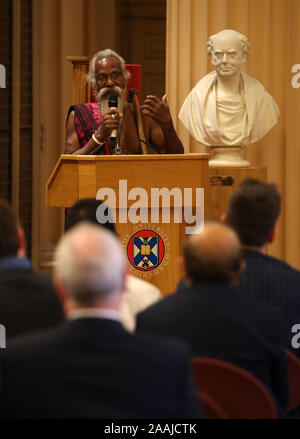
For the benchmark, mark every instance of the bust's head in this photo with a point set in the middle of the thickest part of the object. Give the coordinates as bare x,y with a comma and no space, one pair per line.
229,50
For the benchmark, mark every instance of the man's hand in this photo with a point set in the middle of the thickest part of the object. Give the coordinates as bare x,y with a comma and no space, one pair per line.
110,122
157,109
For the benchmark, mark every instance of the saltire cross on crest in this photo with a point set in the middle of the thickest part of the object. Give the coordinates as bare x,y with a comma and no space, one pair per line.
145,250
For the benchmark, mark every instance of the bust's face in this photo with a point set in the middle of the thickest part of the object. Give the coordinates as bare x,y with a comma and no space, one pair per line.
227,56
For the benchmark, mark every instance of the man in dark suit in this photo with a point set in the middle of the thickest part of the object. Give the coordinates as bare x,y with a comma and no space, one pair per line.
139,294
252,211
91,367
214,319
28,300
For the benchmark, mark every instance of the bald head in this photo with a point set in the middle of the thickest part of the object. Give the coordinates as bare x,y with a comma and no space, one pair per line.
90,264
213,255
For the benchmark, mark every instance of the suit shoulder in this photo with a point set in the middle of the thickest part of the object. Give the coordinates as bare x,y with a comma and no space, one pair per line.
274,266
24,280
16,273
33,342
162,305
161,344
257,310
42,278
284,266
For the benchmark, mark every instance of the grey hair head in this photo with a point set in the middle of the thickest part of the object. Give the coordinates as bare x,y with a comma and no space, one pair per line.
90,263
245,46
106,53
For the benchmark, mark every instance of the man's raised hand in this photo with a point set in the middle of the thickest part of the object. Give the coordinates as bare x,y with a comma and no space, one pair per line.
157,109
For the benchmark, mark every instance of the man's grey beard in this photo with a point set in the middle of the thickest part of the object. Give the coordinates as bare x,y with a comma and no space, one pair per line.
102,98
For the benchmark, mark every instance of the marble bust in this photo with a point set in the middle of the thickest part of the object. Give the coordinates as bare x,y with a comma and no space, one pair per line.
228,109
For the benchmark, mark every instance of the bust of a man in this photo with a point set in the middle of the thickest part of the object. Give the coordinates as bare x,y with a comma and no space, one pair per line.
228,107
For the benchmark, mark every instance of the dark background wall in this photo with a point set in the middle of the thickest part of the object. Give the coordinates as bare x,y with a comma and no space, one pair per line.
22,110
141,39
25,177
6,99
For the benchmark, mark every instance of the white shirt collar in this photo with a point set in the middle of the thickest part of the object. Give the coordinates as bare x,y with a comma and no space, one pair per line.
94,313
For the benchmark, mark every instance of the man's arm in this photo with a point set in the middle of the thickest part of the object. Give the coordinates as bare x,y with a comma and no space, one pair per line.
104,130
161,126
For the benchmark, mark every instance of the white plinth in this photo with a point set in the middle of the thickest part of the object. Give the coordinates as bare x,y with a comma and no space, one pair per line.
227,156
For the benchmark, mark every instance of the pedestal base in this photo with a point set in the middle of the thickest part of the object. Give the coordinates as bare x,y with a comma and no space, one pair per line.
227,156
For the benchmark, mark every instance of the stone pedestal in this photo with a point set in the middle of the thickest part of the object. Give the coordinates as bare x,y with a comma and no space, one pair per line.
227,156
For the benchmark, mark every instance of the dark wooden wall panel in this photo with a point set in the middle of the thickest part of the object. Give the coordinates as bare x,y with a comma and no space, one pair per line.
142,40
6,99
25,182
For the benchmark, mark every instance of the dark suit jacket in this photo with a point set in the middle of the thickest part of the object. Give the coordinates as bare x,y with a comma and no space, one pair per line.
219,323
28,301
93,368
276,283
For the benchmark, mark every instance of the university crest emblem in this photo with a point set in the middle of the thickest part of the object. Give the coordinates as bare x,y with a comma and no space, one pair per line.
145,250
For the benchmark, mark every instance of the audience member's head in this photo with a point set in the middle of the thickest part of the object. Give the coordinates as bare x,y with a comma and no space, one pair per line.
86,210
252,212
90,268
213,255
12,241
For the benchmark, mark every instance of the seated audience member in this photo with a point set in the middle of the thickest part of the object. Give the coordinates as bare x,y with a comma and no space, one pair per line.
138,294
89,126
216,321
28,301
252,211
90,366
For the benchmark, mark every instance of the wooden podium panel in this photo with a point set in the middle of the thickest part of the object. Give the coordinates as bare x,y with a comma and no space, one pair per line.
223,182
75,177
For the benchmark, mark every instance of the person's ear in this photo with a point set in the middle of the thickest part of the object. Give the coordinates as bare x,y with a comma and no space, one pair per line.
272,236
124,278
62,294
21,253
242,268
223,218
182,267
239,272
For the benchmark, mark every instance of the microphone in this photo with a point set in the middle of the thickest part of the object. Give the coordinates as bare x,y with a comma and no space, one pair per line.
113,105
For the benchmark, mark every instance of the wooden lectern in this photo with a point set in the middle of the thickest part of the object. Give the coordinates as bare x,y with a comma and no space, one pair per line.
152,248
